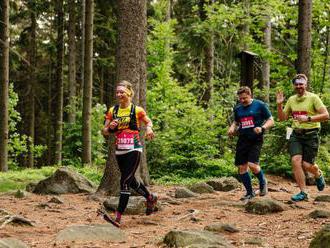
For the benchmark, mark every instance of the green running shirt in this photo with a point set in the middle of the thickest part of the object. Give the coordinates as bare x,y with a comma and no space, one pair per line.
307,105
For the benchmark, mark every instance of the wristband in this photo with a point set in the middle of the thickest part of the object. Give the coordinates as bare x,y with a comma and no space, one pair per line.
263,129
309,118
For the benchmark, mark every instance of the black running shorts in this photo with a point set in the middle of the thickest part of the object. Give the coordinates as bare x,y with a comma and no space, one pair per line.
248,150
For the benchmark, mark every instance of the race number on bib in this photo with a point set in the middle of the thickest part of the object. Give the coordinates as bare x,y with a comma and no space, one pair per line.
125,141
247,122
296,114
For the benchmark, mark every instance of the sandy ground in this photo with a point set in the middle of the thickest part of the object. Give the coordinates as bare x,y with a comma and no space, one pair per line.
291,228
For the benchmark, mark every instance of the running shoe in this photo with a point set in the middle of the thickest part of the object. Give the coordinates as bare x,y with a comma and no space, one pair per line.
301,196
264,189
151,204
248,196
108,218
320,183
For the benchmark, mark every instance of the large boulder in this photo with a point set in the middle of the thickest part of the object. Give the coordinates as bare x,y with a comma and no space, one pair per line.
322,238
264,206
12,243
63,181
195,238
105,232
224,183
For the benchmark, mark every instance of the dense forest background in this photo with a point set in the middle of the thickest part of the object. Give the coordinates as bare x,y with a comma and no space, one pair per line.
64,64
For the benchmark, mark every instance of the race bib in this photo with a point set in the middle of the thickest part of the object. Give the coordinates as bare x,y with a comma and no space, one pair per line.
296,114
247,122
125,141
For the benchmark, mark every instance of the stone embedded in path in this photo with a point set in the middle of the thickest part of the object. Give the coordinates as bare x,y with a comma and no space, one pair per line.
12,243
136,205
264,206
21,194
201,188
106,232
322,238
195,238
183,192
221,227
322,198
63,181
319,214
224,183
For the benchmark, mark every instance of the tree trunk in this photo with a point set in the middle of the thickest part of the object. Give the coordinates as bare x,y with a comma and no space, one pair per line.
50,138
88,83
265,63
209,60
131,66
326,59
4,81
59,81
32,82
304,37
82,55
72,61
246,26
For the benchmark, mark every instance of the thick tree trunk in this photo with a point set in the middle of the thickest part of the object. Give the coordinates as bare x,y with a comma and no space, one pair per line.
304,37
131,66
59,81
88,84
265,63
4,83
72,61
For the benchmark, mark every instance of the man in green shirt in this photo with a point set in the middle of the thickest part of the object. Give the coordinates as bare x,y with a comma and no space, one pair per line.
307,111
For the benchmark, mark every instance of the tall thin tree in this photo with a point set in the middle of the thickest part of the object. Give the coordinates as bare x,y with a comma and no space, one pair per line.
59,81
72,60
4,81
265,63
88,83
208,57
304,37
32,82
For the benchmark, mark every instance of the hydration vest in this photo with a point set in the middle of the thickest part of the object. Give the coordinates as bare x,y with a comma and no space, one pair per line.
133,121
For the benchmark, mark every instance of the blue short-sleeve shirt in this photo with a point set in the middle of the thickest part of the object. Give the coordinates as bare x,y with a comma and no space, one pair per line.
251,116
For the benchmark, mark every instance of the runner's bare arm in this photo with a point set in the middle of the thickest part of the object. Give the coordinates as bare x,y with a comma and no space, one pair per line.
279,101
149,132
268,124
323,115
232,129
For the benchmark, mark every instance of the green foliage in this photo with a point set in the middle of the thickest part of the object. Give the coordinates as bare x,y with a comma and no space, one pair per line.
18,179
17,143
186,143
72,145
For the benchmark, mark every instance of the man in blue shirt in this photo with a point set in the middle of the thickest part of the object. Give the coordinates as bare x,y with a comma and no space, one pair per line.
251,119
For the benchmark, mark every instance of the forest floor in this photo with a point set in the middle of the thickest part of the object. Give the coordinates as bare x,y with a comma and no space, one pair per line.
291,228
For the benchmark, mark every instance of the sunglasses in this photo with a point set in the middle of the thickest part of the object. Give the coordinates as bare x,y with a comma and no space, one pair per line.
299,84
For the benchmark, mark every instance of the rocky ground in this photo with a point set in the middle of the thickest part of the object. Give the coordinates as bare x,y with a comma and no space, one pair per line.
290,228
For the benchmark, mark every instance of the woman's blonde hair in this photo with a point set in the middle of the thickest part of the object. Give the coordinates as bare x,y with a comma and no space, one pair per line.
127,85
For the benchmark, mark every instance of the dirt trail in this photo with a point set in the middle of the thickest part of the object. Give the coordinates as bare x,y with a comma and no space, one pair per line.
291,228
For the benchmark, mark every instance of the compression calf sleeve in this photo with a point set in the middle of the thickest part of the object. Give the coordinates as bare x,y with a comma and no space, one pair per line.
246,180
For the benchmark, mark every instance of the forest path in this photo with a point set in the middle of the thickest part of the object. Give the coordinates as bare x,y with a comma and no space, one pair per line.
290,228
